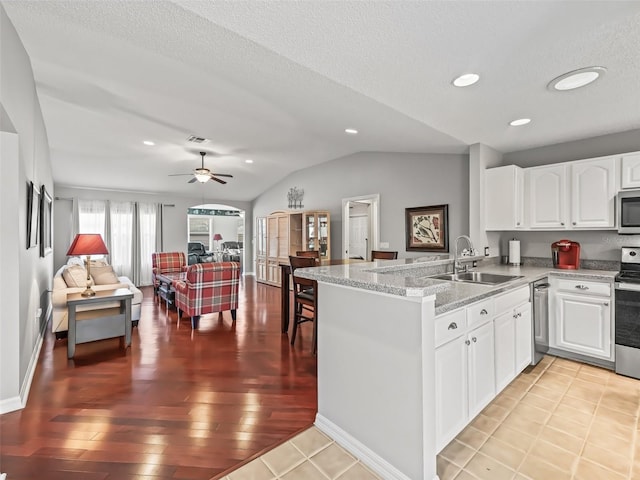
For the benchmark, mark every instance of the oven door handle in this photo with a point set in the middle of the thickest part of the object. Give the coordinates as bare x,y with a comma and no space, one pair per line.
627,286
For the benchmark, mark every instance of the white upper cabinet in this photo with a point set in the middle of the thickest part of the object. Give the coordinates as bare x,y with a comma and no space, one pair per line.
547,196
504,198
593,192
630,171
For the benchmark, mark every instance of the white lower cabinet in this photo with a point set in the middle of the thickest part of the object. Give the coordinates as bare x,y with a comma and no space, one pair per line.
524,340
482,385
583,325
451,390
505,334
581,318
479,350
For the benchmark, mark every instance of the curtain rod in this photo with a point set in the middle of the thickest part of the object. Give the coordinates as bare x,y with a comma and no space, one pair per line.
63,198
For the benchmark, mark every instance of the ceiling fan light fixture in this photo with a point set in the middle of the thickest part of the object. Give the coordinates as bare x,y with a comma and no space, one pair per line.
576,79
202,177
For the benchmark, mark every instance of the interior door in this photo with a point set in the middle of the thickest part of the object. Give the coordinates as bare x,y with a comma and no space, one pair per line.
359,237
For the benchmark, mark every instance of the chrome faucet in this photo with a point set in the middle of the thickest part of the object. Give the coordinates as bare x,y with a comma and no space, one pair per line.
457,265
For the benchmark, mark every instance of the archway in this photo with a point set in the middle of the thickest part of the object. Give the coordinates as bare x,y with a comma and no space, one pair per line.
219,230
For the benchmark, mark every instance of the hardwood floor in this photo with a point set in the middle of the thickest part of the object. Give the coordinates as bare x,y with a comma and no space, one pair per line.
179,404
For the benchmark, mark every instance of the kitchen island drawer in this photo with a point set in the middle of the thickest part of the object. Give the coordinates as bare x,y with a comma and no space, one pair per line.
449,325
480,312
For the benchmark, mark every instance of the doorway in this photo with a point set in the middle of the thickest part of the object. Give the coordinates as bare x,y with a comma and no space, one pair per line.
360,226
215,233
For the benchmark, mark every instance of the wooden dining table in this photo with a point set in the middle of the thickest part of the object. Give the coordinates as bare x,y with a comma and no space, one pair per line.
285,287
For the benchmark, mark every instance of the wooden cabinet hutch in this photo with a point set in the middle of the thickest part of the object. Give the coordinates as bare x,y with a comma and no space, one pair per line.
284,233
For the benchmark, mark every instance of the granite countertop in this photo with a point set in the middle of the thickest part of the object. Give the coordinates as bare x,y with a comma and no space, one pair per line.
411,278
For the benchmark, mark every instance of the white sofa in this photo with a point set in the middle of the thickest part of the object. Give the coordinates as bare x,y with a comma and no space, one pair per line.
59,322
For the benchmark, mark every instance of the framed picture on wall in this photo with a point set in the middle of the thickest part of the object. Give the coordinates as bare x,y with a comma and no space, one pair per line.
46,242
427,228
33,206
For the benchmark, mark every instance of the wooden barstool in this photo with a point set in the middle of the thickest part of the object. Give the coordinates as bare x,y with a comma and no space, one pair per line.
305,298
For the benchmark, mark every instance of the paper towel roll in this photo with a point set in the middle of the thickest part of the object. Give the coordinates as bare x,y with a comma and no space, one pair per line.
514,252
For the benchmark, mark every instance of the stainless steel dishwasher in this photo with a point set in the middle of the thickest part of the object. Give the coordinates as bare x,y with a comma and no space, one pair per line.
540,295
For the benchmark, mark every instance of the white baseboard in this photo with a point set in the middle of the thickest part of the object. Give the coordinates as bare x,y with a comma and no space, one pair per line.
371,459
18,403
10,405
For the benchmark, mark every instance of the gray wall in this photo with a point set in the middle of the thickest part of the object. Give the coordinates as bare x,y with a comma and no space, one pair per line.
601,146
175,231
26,277
594,245
403,180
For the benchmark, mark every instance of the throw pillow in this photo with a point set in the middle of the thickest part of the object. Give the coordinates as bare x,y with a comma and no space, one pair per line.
104,275
75,276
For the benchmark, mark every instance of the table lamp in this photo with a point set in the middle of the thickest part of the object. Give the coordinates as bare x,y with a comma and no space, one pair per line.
216,238
87,244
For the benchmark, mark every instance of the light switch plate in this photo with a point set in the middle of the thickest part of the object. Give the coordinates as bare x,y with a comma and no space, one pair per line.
384,244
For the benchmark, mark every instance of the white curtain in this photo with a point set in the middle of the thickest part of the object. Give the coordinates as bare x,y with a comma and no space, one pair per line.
92,218
131,232
146,241
121,237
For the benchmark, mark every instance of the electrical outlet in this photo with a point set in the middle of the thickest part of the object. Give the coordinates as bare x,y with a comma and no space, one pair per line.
384,244
38,313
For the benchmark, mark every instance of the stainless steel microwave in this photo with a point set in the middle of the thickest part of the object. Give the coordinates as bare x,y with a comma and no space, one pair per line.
628,208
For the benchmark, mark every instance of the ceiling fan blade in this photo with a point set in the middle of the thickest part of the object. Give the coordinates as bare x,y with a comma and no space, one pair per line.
222,175
192,180
218,180
179,174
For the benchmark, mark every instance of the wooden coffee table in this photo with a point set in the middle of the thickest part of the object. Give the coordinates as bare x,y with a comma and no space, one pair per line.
92,325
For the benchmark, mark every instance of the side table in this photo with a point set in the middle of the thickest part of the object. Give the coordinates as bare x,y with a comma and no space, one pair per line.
90,325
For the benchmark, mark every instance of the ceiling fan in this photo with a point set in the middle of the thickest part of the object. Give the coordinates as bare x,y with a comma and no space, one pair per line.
203,175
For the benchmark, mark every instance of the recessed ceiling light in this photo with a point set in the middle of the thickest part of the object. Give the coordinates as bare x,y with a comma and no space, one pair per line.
149,143
466,80
248,160
351,131
576,79
519,122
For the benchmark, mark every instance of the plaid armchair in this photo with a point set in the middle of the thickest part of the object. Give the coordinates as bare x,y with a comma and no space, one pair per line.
166,262
208,288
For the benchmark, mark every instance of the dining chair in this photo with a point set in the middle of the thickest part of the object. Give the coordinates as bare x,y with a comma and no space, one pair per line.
386,255
305,298
310,254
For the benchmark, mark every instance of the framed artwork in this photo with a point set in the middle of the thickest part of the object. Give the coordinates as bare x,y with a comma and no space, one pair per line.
427,228
33,206
46,243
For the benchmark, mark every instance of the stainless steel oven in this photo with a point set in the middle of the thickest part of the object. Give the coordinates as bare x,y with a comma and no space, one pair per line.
627,322
628,208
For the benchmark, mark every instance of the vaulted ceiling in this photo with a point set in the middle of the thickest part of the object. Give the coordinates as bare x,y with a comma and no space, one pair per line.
278,82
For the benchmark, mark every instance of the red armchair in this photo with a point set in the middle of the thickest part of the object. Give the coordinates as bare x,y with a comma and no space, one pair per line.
166,262
208,288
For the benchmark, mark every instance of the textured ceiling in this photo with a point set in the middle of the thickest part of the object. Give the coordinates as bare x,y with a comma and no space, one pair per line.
278,82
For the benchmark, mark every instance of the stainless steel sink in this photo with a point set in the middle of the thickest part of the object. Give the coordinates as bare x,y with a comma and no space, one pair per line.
477,277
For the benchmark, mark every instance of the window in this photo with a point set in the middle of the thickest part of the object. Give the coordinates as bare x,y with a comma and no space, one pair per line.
121,238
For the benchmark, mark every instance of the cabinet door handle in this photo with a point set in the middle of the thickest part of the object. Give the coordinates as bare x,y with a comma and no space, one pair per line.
518,223
606,304
467,342
582,287
483,312
574,223
562,223
452,326
474,339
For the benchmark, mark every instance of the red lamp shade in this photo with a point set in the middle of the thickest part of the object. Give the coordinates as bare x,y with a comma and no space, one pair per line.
217,236
87,244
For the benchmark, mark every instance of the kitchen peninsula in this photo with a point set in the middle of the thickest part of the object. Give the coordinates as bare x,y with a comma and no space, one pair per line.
376,354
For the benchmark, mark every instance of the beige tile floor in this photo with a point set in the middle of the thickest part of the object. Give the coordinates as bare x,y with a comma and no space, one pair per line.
558,420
